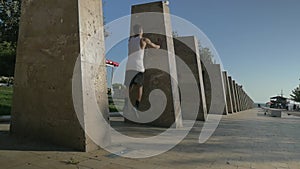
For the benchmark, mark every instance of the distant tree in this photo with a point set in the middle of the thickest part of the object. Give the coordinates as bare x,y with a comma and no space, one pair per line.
9,20
206,55
204,52
10,11
296,94
175,34
9,27
7,59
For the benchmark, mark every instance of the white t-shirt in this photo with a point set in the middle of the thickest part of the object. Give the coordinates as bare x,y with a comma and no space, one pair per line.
135,55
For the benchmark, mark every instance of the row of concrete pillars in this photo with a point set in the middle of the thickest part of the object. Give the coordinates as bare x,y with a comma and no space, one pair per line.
188,80
60,87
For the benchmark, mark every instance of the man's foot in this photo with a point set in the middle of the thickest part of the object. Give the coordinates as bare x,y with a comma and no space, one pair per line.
136,112
136,107
137,104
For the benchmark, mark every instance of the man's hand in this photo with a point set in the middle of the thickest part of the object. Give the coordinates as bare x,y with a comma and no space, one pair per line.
147,42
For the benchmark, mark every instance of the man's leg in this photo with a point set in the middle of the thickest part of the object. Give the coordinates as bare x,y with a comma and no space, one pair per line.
139,95
129,87
132,86
139,84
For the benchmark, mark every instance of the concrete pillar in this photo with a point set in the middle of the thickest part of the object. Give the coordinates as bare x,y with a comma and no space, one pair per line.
216,94
52,36
232,93
239,96
250,103
207,86
236,96
246,101
228,92
186,48
156,22
243,98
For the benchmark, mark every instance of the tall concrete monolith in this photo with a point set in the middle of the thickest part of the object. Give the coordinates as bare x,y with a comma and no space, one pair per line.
243,99
214,87
207,85
160,65
232,93
240,96
53,36
186,49
236,96
228,92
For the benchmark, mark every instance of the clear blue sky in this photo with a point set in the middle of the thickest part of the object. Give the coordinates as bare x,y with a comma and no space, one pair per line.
258,40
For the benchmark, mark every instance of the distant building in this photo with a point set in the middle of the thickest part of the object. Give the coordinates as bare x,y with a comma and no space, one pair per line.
278,102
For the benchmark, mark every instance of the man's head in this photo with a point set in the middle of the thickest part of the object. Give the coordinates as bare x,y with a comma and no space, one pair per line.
138,30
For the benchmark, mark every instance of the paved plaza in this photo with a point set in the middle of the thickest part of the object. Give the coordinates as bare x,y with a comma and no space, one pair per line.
245,140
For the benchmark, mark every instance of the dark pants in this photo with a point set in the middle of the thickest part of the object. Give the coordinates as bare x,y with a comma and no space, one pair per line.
134,77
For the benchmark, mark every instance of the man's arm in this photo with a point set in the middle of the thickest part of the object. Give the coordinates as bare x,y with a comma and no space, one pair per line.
147,42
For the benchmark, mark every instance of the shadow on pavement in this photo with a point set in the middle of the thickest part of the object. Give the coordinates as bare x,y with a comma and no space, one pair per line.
9,142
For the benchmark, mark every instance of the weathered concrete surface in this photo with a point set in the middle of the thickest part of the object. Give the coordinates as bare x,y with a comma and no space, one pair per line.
215,93
244,100
228,92
186,49
237,98
160,64
53,35
247,140
232,93
250,103
207,86
240,96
